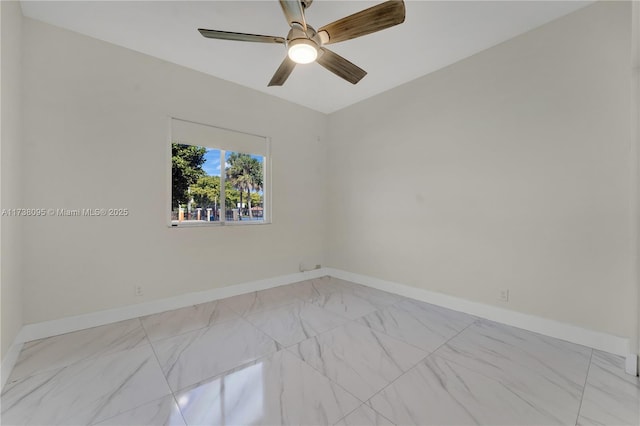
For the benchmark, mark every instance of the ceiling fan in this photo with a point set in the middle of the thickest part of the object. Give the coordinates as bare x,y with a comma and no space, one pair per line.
305,44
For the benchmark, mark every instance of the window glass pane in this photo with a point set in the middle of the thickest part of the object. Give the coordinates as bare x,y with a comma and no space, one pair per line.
245,177
206,191
195,183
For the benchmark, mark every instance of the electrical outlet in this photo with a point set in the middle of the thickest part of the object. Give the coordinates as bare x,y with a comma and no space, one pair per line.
138,290
504,295
302,267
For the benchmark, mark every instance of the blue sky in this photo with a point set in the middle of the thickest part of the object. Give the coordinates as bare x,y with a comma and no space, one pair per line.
211,164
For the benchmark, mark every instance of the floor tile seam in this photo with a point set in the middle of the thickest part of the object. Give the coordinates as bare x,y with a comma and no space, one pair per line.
443,344
220,374
144,329
249,362
377,303
275,342
261,310
226,303
253,362
409,371
461,366
140,344
402,300
454,336
354,322
436,354
325,376
144,403
616,370
12,380
360,406
190,331
324,332
401,340
216,302
347,415
368,401
545,338
344,316
584,387
372,303
382,415
273,308
351,293
458,364
200,329
288,348
173,394
369,407
130,409
347,320
413,367
25,344
330,312
323,296
524,351
271,337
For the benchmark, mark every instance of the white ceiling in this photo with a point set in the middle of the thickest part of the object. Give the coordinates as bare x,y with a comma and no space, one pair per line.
434,35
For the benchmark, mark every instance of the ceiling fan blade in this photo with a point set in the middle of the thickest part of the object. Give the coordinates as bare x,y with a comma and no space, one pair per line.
226,35
283,72
365,22
340,66
294,12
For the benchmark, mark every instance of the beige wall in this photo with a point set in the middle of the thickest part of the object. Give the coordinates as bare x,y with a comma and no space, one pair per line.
507,170
10,176
95,134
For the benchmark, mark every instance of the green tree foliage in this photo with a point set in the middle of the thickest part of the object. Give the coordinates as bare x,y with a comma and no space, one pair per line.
186,169
206,193
232,195
245,174
256,199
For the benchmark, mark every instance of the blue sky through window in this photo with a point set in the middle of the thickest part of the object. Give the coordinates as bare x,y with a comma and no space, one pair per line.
211,164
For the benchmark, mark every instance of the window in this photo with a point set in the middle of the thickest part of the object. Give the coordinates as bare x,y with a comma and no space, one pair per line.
218,176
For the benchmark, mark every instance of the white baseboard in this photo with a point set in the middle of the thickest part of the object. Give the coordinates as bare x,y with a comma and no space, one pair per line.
79,322
8,361
571,333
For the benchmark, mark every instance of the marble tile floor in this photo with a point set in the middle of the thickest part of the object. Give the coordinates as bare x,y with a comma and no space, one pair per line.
318,352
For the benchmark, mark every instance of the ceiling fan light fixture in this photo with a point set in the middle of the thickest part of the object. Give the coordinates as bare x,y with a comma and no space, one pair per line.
305,45
302,51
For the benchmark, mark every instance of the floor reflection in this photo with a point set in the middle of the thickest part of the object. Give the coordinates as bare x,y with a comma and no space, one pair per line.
233,399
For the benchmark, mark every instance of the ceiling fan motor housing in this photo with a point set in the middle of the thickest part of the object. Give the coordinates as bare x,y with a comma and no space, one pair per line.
298,33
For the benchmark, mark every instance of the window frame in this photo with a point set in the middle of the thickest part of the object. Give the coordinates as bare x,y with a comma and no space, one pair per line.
267,218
